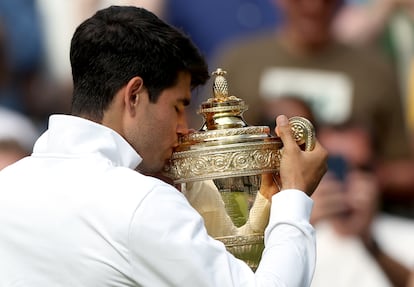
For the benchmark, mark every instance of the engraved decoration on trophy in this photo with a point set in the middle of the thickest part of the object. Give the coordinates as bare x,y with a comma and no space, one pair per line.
219,168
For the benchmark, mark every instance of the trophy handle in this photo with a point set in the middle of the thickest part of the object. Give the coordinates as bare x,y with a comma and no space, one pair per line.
303,132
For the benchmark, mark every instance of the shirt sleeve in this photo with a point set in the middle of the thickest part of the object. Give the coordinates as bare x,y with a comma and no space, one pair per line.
169,245
290,246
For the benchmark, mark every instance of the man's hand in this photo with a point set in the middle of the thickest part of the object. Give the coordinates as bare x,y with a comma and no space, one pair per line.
299,169
268,186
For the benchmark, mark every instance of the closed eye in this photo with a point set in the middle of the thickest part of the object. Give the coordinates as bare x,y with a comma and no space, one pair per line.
180,107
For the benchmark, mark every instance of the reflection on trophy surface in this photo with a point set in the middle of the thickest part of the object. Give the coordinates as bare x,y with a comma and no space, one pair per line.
219,168
234,212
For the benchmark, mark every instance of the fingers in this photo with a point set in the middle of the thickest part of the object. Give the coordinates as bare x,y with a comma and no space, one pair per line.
267,180
283,130
299,169
268,186
319,149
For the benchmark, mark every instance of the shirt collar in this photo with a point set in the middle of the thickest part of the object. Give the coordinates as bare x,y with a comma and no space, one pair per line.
71,135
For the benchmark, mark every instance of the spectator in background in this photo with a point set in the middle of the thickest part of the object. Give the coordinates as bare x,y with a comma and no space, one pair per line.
388,24
289,105
24,53
373,251
357,244
17,132
365,21
339,82
27,89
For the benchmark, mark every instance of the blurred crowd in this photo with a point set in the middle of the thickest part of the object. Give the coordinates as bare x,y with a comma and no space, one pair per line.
347,65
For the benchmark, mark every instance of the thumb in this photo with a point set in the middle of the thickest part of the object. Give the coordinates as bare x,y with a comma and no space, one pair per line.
284,131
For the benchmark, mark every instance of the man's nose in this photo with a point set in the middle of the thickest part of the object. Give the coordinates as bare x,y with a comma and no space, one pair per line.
182,125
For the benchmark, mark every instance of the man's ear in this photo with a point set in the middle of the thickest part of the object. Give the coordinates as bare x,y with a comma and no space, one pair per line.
132,93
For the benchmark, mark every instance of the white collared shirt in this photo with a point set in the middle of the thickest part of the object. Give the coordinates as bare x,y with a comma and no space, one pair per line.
75,213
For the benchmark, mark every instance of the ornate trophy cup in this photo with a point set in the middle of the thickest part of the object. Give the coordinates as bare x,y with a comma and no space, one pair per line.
219,168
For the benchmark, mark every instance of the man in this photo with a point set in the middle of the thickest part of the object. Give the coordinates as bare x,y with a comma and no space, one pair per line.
347,220
77,212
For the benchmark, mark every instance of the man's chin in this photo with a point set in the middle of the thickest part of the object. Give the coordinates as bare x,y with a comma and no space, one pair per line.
160,174
150,169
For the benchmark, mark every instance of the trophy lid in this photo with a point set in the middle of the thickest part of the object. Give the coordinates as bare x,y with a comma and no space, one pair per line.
225,146
222,110
223,120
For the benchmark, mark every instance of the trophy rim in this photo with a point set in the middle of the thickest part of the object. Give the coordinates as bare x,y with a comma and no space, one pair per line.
226,160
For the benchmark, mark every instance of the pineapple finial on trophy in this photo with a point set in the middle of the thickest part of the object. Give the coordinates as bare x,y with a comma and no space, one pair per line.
220,86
